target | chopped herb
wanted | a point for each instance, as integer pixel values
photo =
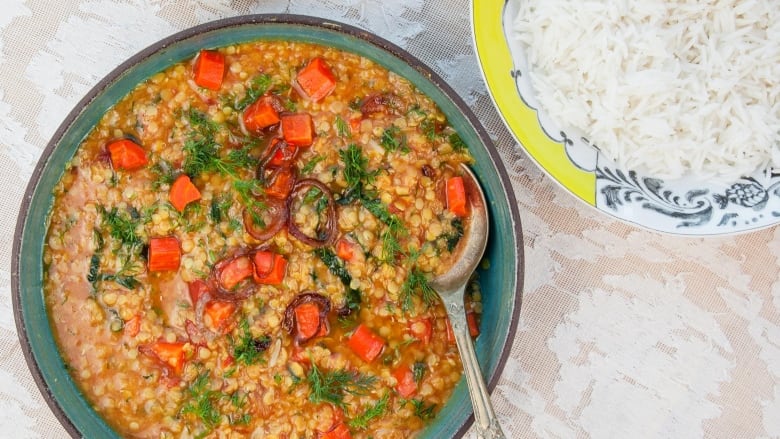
(120, 226)
(391, 247)
(94, 267)
(457, 143)
(416, 284)
(219, 209)
(246, 190)
(164, 174)
(355, 104)
(378, 409)
(336, 267)
(249, 350)
(259, 86)
(341, 127)
(423, 411)
(203, 401)
(202, 152)
(429, 129)
(418, 370)
(311, 164)
(356, 172)
(331, 387)
(277, 378)
(415, 109)
(451, 239)
(393, 140)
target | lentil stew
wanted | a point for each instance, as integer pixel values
(241, 248)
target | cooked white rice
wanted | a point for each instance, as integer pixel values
(670, 87)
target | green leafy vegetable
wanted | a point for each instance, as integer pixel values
(336, 267)
(332, 386)
(379, 408)
(311, 164)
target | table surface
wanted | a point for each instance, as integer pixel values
(623, 332)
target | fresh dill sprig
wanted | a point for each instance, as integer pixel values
(379, 408)
(332, 386)
(247, 349)
(164, 173)
(219, 209)
(342, 129)
(311, 164)
(259, 86)
(121, 226)
(416, 284)
(247, 191)
(356, 172)
(391, 247)
(202, 152)
(393, 140)
(203, 401)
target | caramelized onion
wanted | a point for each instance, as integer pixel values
(380, 103)
(289, 323)
(222, 293)
(330, 214)
(275, 217)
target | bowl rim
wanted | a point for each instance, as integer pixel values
(222, 24)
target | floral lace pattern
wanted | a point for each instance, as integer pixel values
(623, 332)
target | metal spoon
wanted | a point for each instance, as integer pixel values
(451, 286)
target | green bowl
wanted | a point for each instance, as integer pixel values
(501, 283)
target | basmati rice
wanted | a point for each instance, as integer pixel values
(667, 87)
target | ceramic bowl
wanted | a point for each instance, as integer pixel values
(501, 283)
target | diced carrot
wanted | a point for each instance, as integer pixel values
(345, 249)
(197, 288)
(450, 332)
(354, 125)
(261, 114)
(307, 320)
(227, 361)
(126, 154)
(284, 154)
(406, 385)
(270, 268)
(365, 344)
(316, 80)
(133, 326)
(298, 129)
(235, 271)
(209, 69)
(219, 312)
(456, 197)
(169, 354)
(282, 183)
(339, 431)
(183, 192)
(422, 330)
(164, 254)
(471, 319)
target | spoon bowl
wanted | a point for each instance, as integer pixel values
(451, 285)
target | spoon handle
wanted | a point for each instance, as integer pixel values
(486, 422)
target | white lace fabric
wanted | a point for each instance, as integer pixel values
(623, 332)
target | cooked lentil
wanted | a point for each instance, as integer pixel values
(202, 350)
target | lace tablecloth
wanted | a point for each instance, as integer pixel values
(623, 332)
